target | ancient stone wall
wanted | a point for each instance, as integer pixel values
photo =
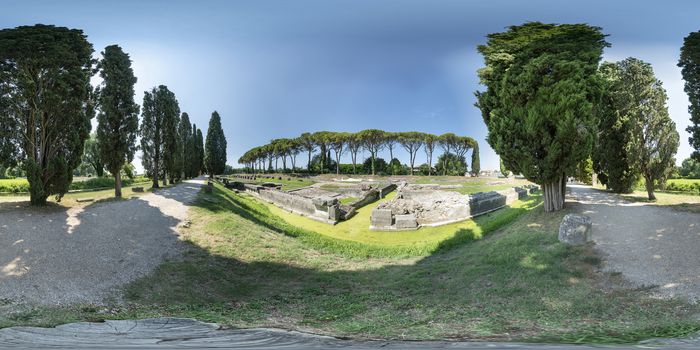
(383, 191)
(413, 208)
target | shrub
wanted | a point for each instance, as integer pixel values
(104, 182)
(14, 186)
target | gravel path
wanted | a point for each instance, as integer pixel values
(56, 256)
(652, 246)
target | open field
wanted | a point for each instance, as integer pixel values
(678, 201)
(291, 184)
(474, 184)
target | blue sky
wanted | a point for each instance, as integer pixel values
(279, 68)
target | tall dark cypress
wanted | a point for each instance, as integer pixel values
(215, 147)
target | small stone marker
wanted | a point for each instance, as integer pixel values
(137, 189)
(575, 229)
(208, 188)
(81, 200)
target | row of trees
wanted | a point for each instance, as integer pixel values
(172, 148)
(370, 140)
(550, 106)
(47, 104)
(636, 136)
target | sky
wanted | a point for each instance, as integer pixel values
(279, 68)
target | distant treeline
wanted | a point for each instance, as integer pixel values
(332, 145)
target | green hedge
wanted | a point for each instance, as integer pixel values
(14, 185)
(104, 182)
(690, 187)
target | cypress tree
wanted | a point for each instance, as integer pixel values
(650, 137)
(196, 158)
(611, 159)
(215, 147)
(200, 152)
(541, 89)
(172, 154)
(46, 104)
(476, 163)
(151, 137)
(158, 119)
(690, 69)
(186, 145)
(118, 117)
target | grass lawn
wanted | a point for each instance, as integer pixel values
(473, 184)
(287, 185)
(248, 268)
(678, 201)
(348, 200)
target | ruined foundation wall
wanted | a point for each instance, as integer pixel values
(421, 207)
(288, 201)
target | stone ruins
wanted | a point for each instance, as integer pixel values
(414, 205)
(428, 205)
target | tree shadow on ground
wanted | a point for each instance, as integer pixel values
(651, 245)
(520, 283)
(63, 255)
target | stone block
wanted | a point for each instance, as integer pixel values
(483, 202)
(334, 213)
(137, 189)
(381, 218)
(322, 203)
(575, 229)
(406, 221)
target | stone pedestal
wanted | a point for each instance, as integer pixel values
(381, 218)
(407, 221)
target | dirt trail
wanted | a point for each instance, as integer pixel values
(57, 256)
(652, 246)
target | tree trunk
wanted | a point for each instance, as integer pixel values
(554, 195)
(372, 164)
(430, 165)
(354, 161)
(99, 170)
(337, 163)
(308, 165)
(118, 184)
(650, 188)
